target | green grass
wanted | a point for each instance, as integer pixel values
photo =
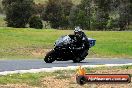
(23, 42)
(128, 67)
(113, 43)
(32, 79)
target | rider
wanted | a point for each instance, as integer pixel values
(81, 41)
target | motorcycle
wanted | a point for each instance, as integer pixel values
(64, 50)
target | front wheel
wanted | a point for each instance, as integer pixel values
(49, 58)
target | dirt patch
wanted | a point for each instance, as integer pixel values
(52, 82)
(31, 52)
(16, 86)
(40, 52)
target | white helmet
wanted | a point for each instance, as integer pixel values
(77, 29)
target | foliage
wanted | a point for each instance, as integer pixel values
(57, 13)
(18, 12)
(1, 7)
(35, 22)
(52, 13)
(66, 7)
(80, 15)
(64, 14)
(78, 18)
(112, 24)
(124, 13)
(101, 20)
(102, 14)
(39, 8)
(1, 10)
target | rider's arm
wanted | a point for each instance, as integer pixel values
(71, 36)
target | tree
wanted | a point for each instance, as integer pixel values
(102, 14)
(101, 20)
(1, 7)
(66, 7)
(122, 10)
(18, 12)
(39, 9)
(35, 22)
(124, 14)
(52, 13)
(7, 3)
(78, 18)
(80, 15)
(57, 13)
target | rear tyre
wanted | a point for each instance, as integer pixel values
(49, 58)
(80, 57)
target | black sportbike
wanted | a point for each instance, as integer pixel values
(64, 50)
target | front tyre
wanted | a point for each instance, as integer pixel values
(49, 58)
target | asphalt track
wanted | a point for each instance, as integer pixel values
(12, 65)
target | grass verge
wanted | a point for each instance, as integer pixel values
(33, 43)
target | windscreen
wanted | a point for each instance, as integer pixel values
(64, 40)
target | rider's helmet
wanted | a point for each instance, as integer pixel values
(78, 31)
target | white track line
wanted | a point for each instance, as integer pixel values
(58, 68)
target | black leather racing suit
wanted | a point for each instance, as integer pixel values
(81, 44)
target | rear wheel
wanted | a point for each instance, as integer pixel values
(49, 58)
(80, 56)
